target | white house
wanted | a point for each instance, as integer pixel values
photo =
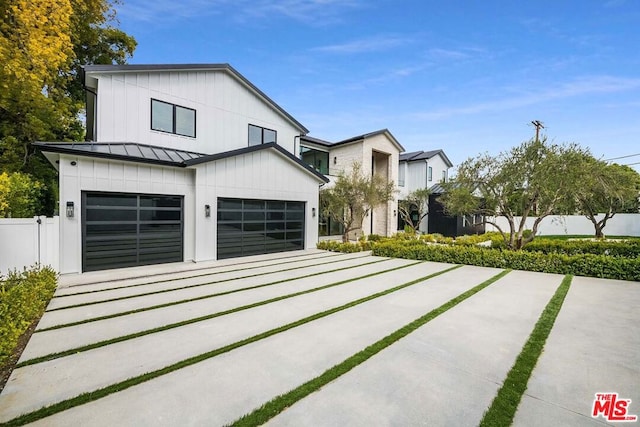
(183, 163)
(377, 153)
(422, 169)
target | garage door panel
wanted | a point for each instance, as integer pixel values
(250, 227)
(124, 230)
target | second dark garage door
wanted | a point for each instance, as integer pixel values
(125, 230)
(252, 227)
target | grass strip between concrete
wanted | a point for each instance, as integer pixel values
(153, 282)
(103, 343)
(505, 404)
(196, 285)
(275, 406)
(218, 294)
(91, 396)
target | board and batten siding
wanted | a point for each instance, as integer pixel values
(262, 175)
(224, 109)
(122, 177)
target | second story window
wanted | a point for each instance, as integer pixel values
(319, 160)
(259, 135)
(401, 175)
(429, 174)
(171, 118)
(444, 176)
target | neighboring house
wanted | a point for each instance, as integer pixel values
(422, 169)
(185, 163)
(377, 152)
(451, 226)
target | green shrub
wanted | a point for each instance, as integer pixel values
(374, 237)
(336, 246)
(616, 248)
(580, 265)
(23, 298)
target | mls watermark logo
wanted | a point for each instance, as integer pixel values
(612, 408)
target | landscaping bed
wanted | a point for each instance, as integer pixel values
(604, 259)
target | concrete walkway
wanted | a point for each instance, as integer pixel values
(447, 372)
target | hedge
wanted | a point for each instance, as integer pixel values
(590, 265)
(618, 248)
(23, 298)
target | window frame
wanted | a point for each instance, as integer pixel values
(262, 129)
(429, 174)
(174, 108)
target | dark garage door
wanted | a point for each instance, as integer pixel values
(125, 230)
(251, 227)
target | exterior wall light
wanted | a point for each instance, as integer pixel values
(70, 209)
(394, 212)
(207, 211)
(313, 212)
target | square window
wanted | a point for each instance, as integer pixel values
(170, 118)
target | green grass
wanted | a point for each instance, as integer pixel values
(275, 406)
(505, 404)
(127, 337)
(179, 288)
(188, 300)
(139, 379)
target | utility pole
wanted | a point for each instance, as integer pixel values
(538, 125)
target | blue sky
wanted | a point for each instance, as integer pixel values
(465, 76)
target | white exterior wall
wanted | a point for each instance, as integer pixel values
(104, 175)
(224, 109)
(619, 225)
(263, 174)
(24, 242)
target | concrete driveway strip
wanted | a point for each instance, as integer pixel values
(57, 340)
(73, 314)
(594, 347)
(221, 389)
(215, 276)
(445, 373)
(131, 273)
(32, 387)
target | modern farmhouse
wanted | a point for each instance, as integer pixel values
(182, 163)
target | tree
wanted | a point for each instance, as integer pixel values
(353, 196)
(417, 202)
(606, 189)
(18, 195)
(531, 179)
(42, 47)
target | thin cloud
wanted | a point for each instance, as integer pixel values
(371, 44)
(582, 86)
(313, 12)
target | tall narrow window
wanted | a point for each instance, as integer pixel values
(171, 118)
(444, 176)
(259, 135)
(429, 174)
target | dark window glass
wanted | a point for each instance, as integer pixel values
(111, 215)
(229, 216)
(160, 202)
(254, 216)
(275, 216)
(253, 226)
(294, 215)
(171, 118)
(99, 200)
(158, 215)
(295, 206)
(275, 225)
(229, 204)
(259, 135)
(275, 205)
(254, 204)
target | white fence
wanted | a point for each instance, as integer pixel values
(27, 241)
(619, 225)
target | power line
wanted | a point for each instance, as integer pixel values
(631, 164)
(622, 157)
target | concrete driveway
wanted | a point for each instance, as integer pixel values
(220, 339)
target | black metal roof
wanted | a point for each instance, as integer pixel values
(191, 67)
(128, 151)
(424, 155)
(151, 154)
(352, 139)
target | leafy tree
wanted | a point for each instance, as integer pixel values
(531, 179)
(353, 196)
(18, 195)
(606, 189)
(416, 201)
(42, 47)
